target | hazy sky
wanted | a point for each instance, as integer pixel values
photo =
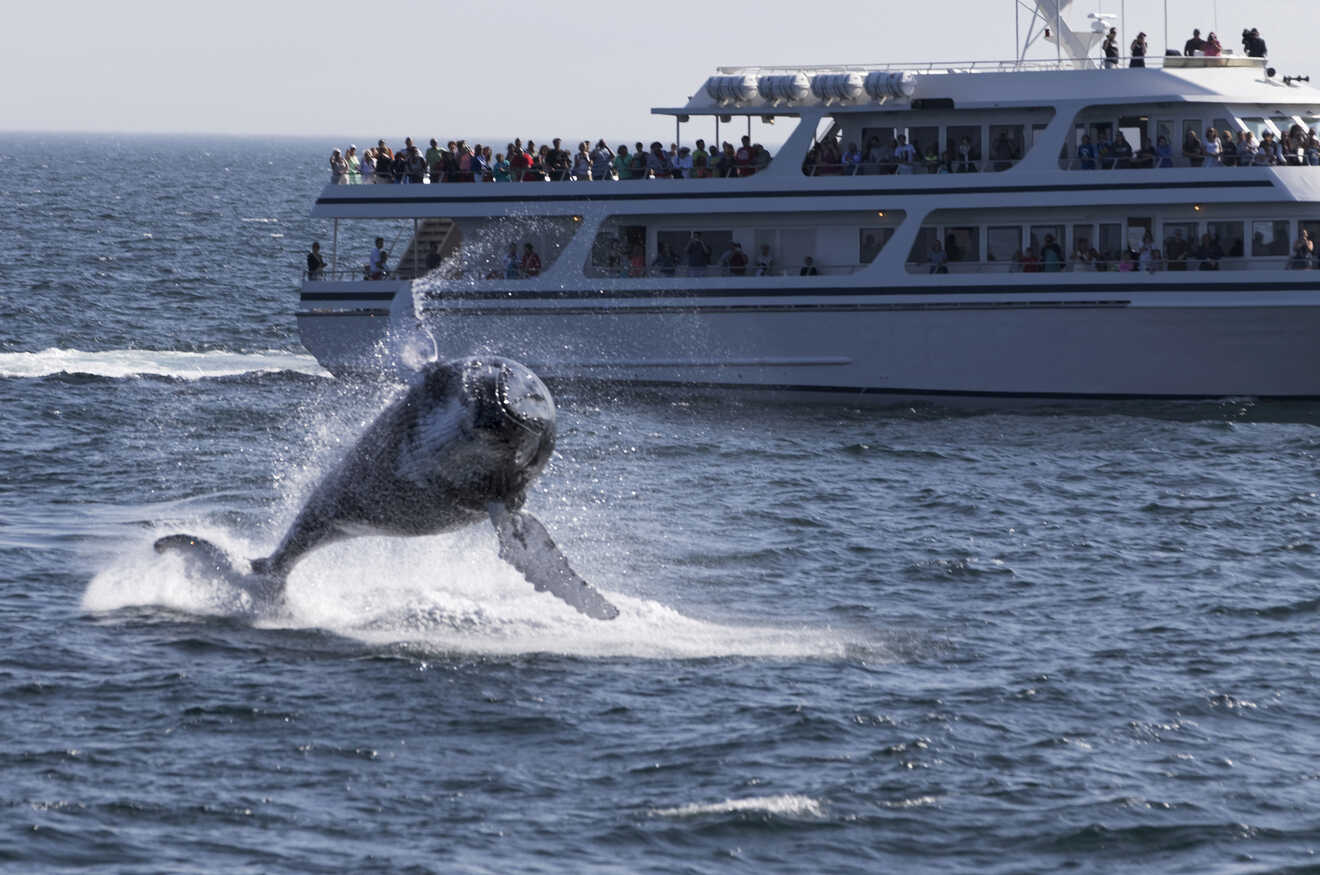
(359, 70)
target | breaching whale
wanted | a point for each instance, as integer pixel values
(462, 444)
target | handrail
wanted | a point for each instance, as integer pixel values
(921, 166)
(1001, 66)
(1114, 265)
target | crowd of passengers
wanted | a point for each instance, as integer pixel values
(1218, 149)
(459, 162)
(1178, 253)
(826, 158)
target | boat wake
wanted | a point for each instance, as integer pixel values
(122, 363)
(443, 595)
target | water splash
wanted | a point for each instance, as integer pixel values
(443, 595)
(123, 363)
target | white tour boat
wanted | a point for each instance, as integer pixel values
(1019, 250)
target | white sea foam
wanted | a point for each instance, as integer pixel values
(786, 805)
(143, 362)
(449, 594)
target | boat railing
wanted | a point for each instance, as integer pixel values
(1116, 265)
(1006, 66)
(920, 167)
(1149, 162)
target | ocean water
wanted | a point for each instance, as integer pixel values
(907, 639)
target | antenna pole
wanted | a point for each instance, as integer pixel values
(1058, 41)
(1166, 28)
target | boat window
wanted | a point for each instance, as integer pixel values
(964, 144)
(1179, 238)
(1223, 124)
(926, 140)
(1083, 238)
(927, 237)
(1164, 128)
(871, 241)
(1002, 243)
(1229, 236)
(1134, 128)
(1284, 123)
(1137, 229)
(1269, 238)
(1311, 122)
(788, 248)
(1111, 241)
(678, 242)
(1005, 146)
(963, 244)
(1256, 125)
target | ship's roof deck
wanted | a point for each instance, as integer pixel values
(870, 88)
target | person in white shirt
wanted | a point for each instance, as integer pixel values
(1213, 149)
(765, 262)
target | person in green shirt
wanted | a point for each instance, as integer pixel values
(700, 161)
(435, 160)
(622, 163)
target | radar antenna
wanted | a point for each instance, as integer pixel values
(1049, 23)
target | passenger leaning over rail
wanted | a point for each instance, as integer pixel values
(338, 168)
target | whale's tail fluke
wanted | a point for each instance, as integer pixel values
(204, 559)
(528, 547)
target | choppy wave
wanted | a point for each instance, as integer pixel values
(120, 363)
(784, 805)
(449, 594)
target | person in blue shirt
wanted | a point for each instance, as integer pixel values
(1086, 153)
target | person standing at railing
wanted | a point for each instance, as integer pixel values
(1213, 149)
(1051, 255)
(1195, 44)
(1311, 149)
(602, 161)
(700, 161)
(638, 165)
(1086, 153)
(697, 254)
(368, 167)
(354, 168)
(582, 162)
(765, 262)
(512, 263)
(316, 264)
(1192, 149)
(531, 262)
(1163, 152)
(377, 259)
(1303, 251)
(905, 156)
(557, 162)
(1111, 49)
(852, 160)
(1138, 51)
(743, 157)
(1246, 149)
(1212, 48)
(338, 168)
(683, 163)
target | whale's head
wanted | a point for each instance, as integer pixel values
(511, 410)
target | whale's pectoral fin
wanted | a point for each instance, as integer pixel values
(204, 559)
(528, 547)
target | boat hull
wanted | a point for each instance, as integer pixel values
(1185, 345)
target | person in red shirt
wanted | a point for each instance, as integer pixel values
(742, 159)
(531, 262)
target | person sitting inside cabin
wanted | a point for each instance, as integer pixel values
(531, 262)
(1176, 249)
(316, 264)
(852, 160)
(1163, 152)
(808, 267)
(1195, 44)
(376, 265)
